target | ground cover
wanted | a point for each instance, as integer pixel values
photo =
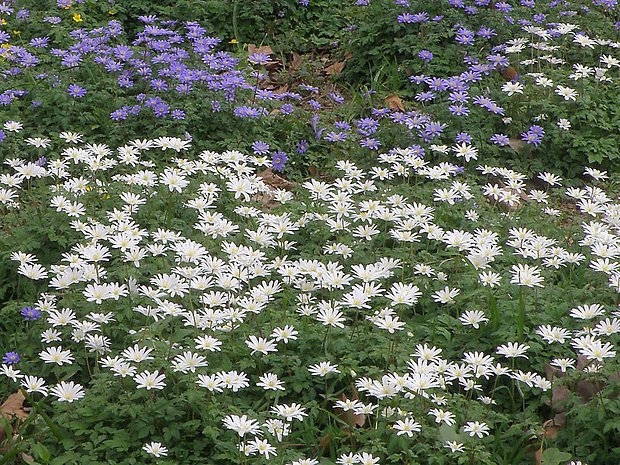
(216, 251)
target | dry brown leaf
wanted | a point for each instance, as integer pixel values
(516, 144)
(273, 180)
(266, 49)
(394, 102)
(296, 62)
(538, 455)
(349, 417)
(335, 69)
(14, 406)
(551, 429)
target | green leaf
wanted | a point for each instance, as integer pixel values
(555, 456)
(41, 452)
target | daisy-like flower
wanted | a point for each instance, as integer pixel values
(290, 412)
(56, 355)
(67, 392)
(454, 446)
(550, 178)
(263, 447)
(566, 92)
(442, 416)
(407, 426)
(323, 368)
(155, 449)
(473, 318)
(512, 88)
(587, 312)
(552, 334)
(188, 361)
(288, 333)
(270, 381)
(242, 425)
(489, 278)
(563, 364)
(401, 293)
(476, 428)
(596, 350)
(34, 384)
(147, 380)
(526, 275)
(513, 350)
(260, 344)
(564, 124)
(446, 295)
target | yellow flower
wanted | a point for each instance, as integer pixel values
(5, 45)
(111, 12)
(3, 21)
(233, 41)
(17, 32)
(77, 17)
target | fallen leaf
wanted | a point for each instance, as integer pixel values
(14, 406)
(516, 144)
(296, 62)
(394, 102)
(266, 49)
(551, 429)
(274, 181)
(335, 69)
(349, 417)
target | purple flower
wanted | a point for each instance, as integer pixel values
(503, 6)
(71, 60)
(336, 98)
(314, 104)
(260, 147)
(258, 58)
(498, 60)
(287, 109)
(465, 37)
(459, 110)
(249, 112)
(463, 137)
(486, 33)
(10, 358)
(342, 125)
(532, 138)
(278, 160)
(302, 146)
(500, 139)
(304, 2)
(367, 126)
(52, 20)
(36, 103)
(334, 136)
(425, 96)
(39, 42)
(31, 313)
(76, 91)
(178, 114)
(118, 114)
(371, 143)
(425, 55)
(216, 106)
